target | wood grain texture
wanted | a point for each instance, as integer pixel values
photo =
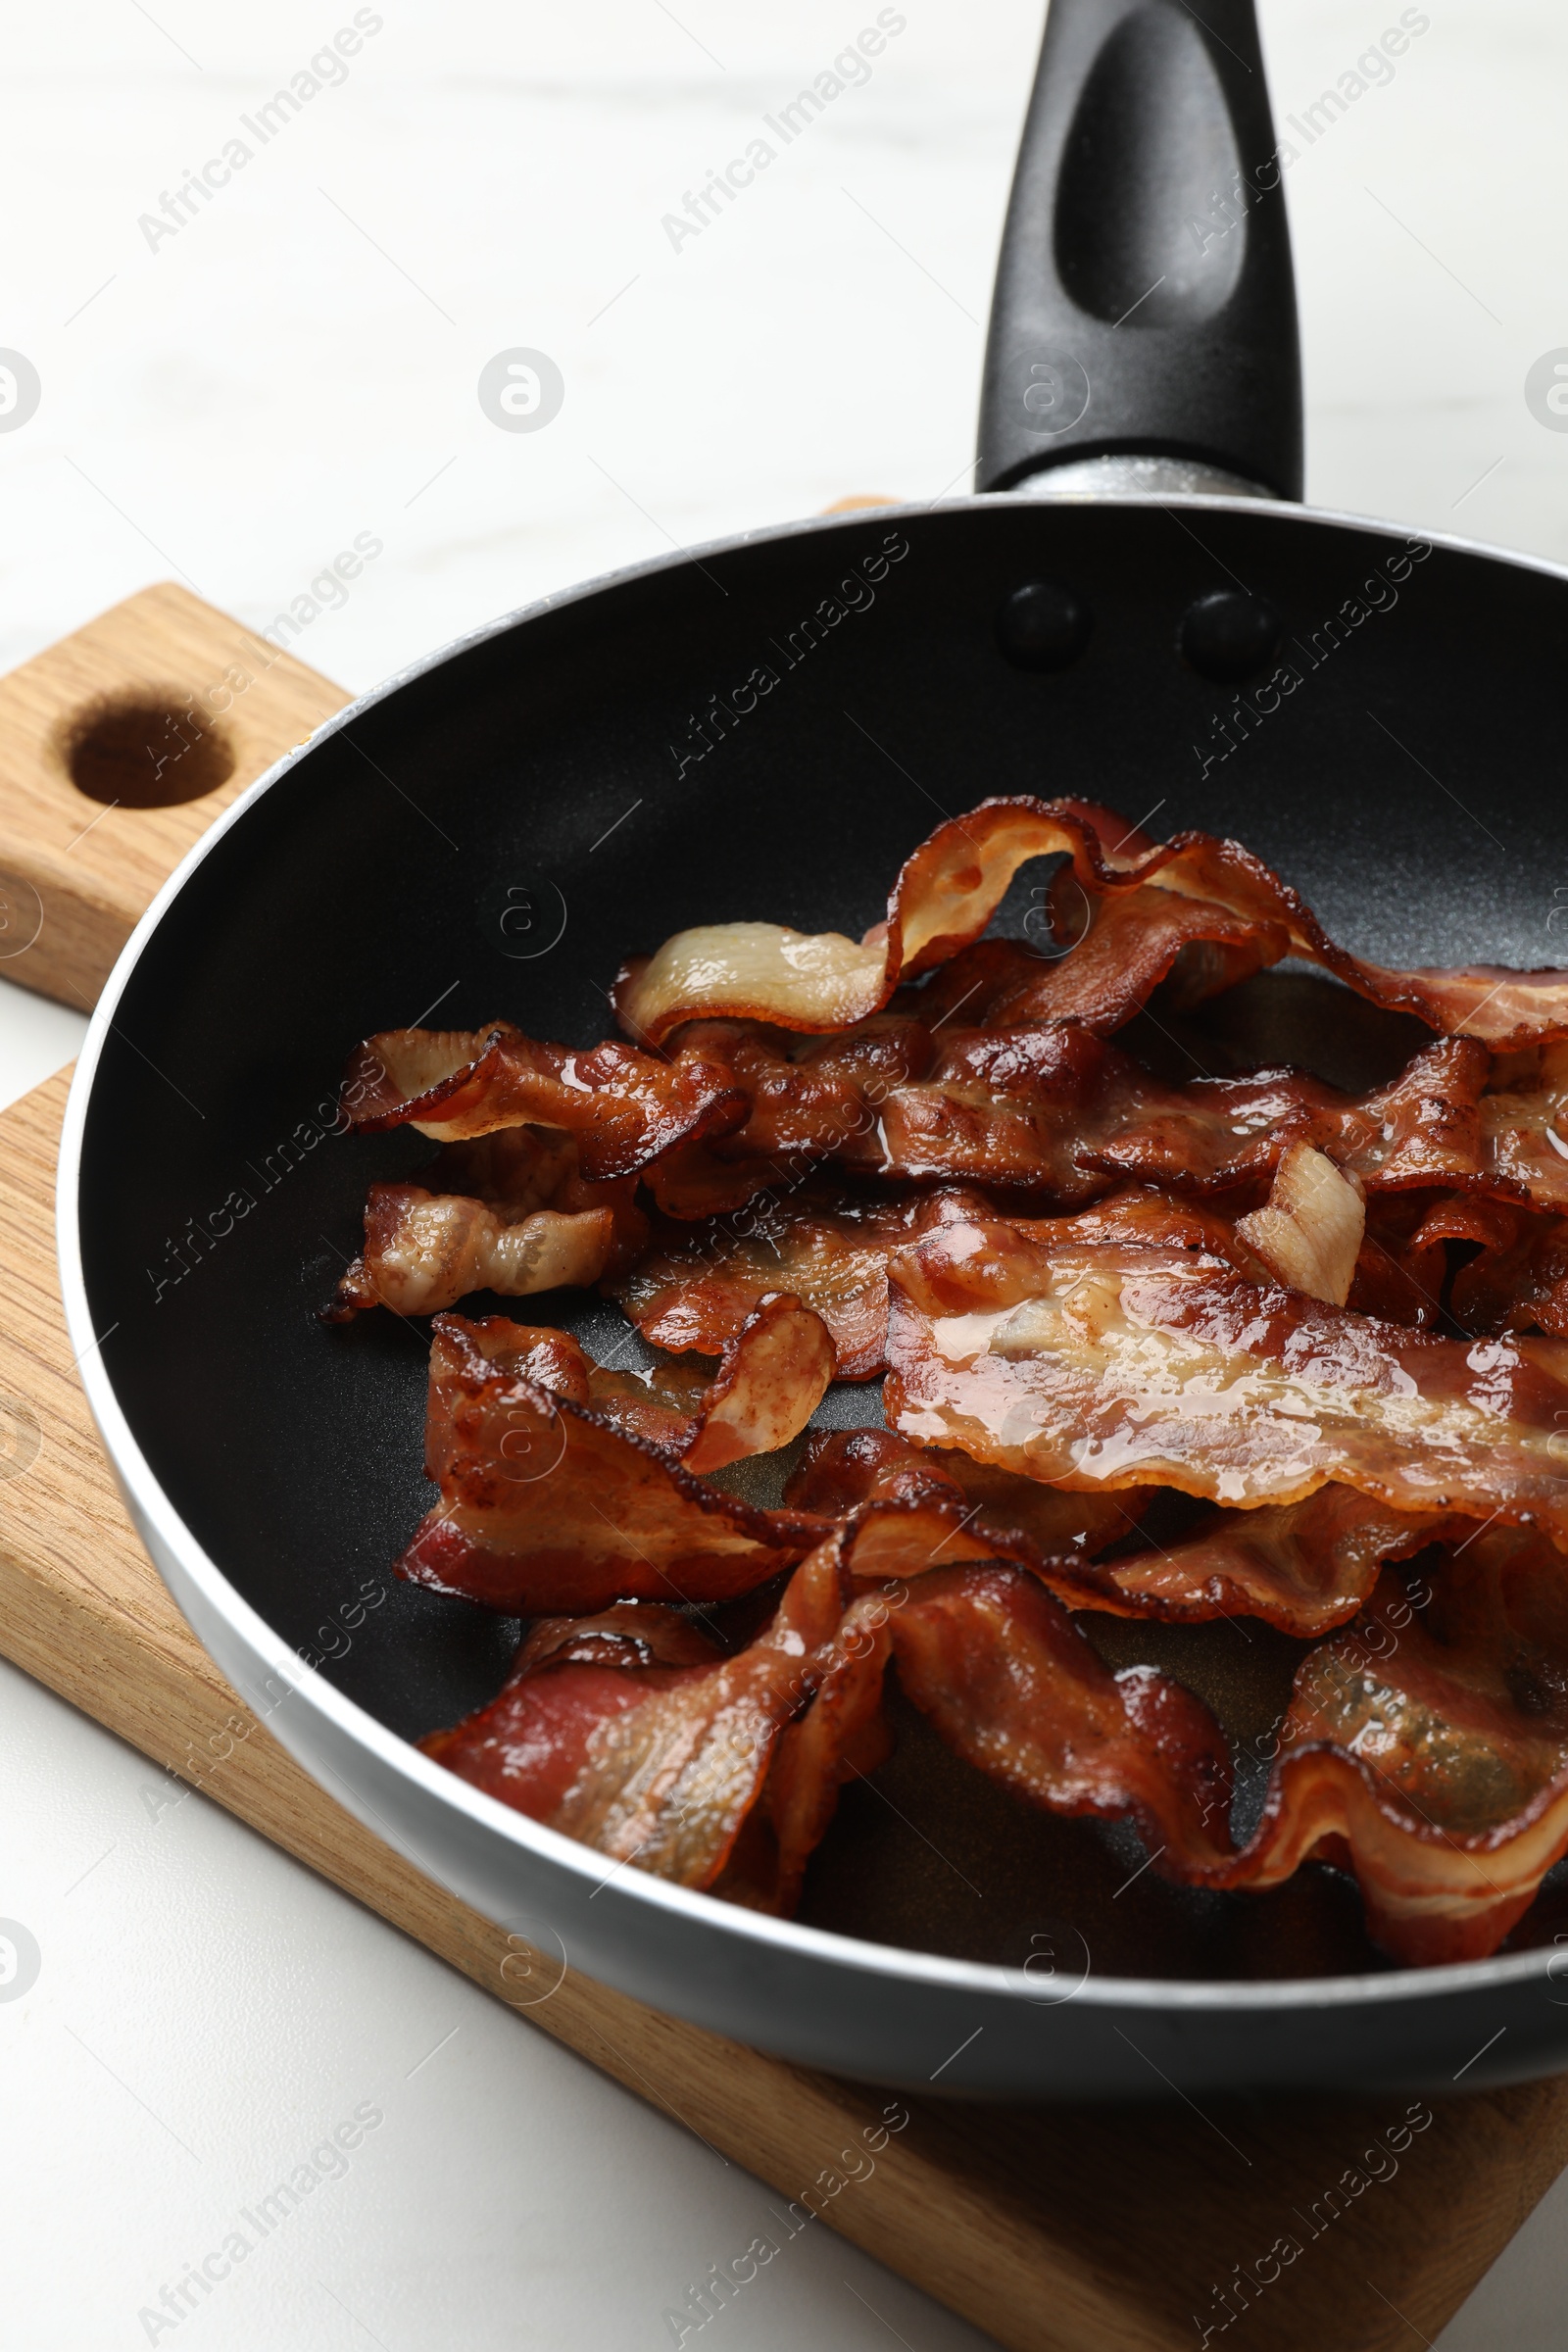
(76, 874)
(1054, 2230)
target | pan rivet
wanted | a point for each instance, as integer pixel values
(1230, 633)
(1043, 625)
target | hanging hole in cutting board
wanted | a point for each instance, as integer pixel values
(148, 750)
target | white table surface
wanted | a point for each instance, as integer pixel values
(297, 365)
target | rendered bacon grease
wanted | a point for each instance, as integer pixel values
(1337, 1322)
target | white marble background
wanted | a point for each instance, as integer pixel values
(298, 364)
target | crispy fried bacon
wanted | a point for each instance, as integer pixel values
(1015, 1688)
(507, 1212)
(1430, 1758)
(809, 1098)
(1057, 1111)
(772, 1376)
(806, 1096)
(1523, 1113)
(622, 1105)
(1518, 1278)
(819, 1156)
(1099, 1365)
(628, 1731)
(840, 1471)
(1309, 1231)
(695, 1289)
(571, 1674)
(843, 1734)
(1304, 1567)
(1050, 1111)
(1230, 893)
(1428, 1754)
(1113, 952)
(627, 1737)
(550, 1502)
(425, 1251)
(832, 1249)
(950, 888)
(945, 896)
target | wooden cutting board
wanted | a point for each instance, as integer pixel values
(1054, 2230)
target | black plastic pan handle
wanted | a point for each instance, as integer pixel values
(1144, 299)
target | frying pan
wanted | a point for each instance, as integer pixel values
(494, 829)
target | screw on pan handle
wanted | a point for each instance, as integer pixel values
(1144, 299)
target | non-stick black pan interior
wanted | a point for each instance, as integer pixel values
(1408, 783)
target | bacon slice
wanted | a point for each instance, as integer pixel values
(944, 896)
(737, 1106)
(653, 1757)
(1428, 1754)
(770, 1383)
(1305, 1567)
(1116, 951)
(948, 891)
(509, 1212)
(1099, 1365)
(1038, 1109)
(809, 1098)
(627, 1731)
(1016, 1690)
(1504, 1008)
(1518, 1279)
(526, 1747)
(425, 1251)
(1524, 1115)
(843, 1734)
(696, 1290)
(841, 1470)
(623, 1105)
(772, 1376)
(832, 1250)
(1056, 1109)
(548, 1505)
(1430, 1758)
(1050, 1111)
(1308, 1233)
(1212, 1334)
